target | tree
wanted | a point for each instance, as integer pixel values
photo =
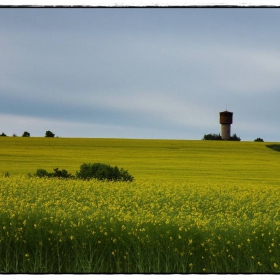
(26, 134)
(3, 134)
(234, 137)
(49, 134)
(258, 140)
(212, 137)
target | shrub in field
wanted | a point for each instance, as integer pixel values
(41, 173)
(26, 134)
(57, 173)
(101, 171)
(3, 134)
(212, 137)
(258, 140)
(49, 134)
(234, 137)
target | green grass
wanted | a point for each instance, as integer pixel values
(216, 161)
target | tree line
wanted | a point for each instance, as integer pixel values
(27, 134)
(234, 137)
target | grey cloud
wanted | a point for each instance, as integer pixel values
(163, 70)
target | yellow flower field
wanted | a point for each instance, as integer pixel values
(52, 225)
(194, 207)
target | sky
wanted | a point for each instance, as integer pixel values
(148, 73)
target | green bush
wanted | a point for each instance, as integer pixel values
(234, 137)
(41, 173)
(57, 173)
(49, 134)
(258, 140)
(26, 134)
(212, 137)
(101, 171)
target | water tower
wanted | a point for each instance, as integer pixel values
(225, 121)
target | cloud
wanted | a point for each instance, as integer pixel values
(151, 70)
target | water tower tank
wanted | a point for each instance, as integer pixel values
(225, 121)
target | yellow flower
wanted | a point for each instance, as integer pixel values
(275, 265)
(72, 237)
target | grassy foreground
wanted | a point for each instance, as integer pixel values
(195, 207)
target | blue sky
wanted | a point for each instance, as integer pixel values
(140, 73)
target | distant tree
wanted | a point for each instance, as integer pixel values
(3, 134)
(212, 137)
(26, 134)
(234, 137)
(14, 135)
(258, 140)
(49, 134)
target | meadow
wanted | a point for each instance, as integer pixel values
(194, 207)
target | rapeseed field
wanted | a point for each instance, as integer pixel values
(194, 207)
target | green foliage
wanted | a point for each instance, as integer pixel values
(41, 173)
(49, 134)
(89, 171)
(234, 137)
(212, 137)
(258, 140)
(26, 134)
(57, 173)
(101, 171)
(3, 134)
